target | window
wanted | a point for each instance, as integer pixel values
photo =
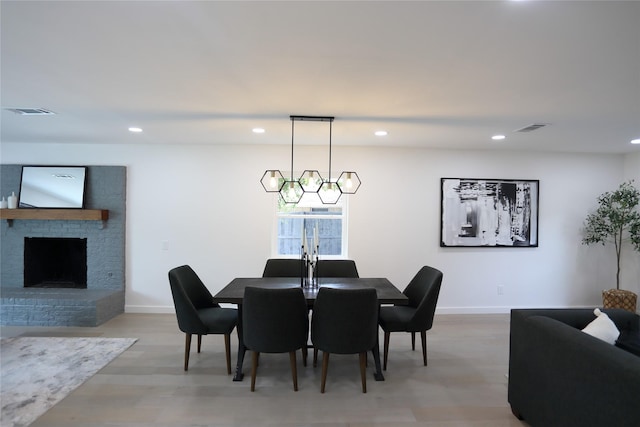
(308, 214)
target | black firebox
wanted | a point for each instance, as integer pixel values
(55, 262)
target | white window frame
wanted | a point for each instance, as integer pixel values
(311, 200)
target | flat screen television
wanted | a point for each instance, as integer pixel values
(53, 187)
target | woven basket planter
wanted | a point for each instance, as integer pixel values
(619, 298)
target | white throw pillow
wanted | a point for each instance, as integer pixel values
(602, 327)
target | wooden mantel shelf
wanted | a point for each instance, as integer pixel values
(55, 214)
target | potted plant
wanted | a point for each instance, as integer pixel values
(616, 220)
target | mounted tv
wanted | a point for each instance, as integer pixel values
(53, 187)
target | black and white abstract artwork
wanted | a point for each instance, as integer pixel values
(489, 212)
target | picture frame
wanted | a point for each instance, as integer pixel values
(53, 187)
(489, 212)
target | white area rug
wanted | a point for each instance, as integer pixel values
(38, 372)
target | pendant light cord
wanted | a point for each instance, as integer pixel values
(292, 126)
(330, 124)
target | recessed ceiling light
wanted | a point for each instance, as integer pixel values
(635, 141)
(257, 130)
(381, 133)
(498, 137)
(135, 129)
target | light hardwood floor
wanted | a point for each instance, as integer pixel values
(464, 384)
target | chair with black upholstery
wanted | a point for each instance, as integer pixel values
(337, 268)
(417, 316)
(275, 321)
(345, 321)
(283, 267)
(197, 313)
(334, 268)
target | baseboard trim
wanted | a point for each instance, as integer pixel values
(149, 309)
(161, 309)
(158, 309)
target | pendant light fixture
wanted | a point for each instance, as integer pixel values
(329, 191)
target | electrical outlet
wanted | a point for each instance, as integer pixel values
(500, 290)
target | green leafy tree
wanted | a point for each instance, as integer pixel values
(616, 220)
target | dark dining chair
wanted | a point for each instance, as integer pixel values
(334, 268)
(345, 321)
(283, 267)
(417, 316)
(197, 313)
(337, 268)
(275, 321)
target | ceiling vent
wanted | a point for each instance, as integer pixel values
(31, 111)
(532, 127)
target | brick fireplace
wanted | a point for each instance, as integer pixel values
(96, 249)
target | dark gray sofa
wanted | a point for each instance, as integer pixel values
(560, 376)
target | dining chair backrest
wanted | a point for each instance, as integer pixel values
(197, 313)
(189, 296)
(345, 321)
(274, 320)
(283, 267)
(422, 292)
(337, 268)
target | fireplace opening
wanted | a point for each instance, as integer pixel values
(55, 262)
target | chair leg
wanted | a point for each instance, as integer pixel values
(304, 355)
(363, 371)
(386, 349)
(199, 343)
(254, 369)
(423, 336)
(315, 357)
(325, 367)
(187, 349)
(413, 341)
(227, 351)
(294, 369)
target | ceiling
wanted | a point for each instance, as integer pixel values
(446, 74)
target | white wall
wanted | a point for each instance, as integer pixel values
(206, 203)
(631, 260)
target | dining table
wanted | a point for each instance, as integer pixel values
(233, 293)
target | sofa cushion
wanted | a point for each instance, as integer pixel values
(602, 327)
